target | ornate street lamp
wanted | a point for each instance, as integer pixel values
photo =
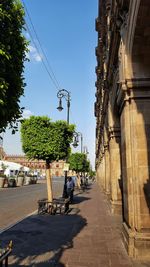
(80, 134)
(60, 108)
(76, 140)
(64, 93)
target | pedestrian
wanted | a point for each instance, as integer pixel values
(70, 188)
(86, 180)
(81, 179)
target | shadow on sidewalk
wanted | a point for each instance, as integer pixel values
(41, 240)
(78, 199)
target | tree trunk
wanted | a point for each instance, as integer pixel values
(49, 181)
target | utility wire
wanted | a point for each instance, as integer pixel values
(41, 57)
(49, 71)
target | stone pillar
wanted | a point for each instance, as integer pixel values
(103, 171)
(115, 170)
(98, 173)
(107, 159)
(107, 170)
(135, 146)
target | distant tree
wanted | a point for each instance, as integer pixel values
(78, 162)
(46, 140)
(92, 173)
(13, 48)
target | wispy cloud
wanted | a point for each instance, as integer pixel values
(33, 54)
(26, 114)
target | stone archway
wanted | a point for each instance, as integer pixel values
(134, 102)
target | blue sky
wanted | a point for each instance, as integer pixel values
(66, 30)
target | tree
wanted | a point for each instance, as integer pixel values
(92, 173)
(78, 162)
(46, 140)
(13, 48)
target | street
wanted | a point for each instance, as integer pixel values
(18, 202)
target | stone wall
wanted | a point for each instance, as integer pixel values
(122, 116)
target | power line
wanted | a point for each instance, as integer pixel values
(49, 71)
(41, 57)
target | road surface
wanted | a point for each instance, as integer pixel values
(17, 203)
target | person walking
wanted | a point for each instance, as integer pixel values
(70, 188)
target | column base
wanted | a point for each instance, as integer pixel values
(137, 244)
(116, 207)
(107, 192)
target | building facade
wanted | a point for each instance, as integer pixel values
(122, 111)
(57, 167)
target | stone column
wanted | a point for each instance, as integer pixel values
(98, 173)
(115, 170)
(103, 171)
(102, 164)
(107, 159)
(107, 169)
(135, 146)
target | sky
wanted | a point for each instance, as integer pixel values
(67, 36)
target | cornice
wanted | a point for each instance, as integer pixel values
(137, 82)
(136, 88)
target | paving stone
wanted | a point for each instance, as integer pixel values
(90, 236)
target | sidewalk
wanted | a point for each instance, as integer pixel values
(88, 237)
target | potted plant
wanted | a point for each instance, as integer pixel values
(28, 179)
(34, 179)
(20, 178)
(3, 178)
(12, 181)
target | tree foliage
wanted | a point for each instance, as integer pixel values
(13, 47)
(78, 162)
(46, 140)
(92, 173)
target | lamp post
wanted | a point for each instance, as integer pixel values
(64, 93)
(80, 134)
(85, 150)
(76, 140)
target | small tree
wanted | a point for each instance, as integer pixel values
(92, 173)
(13, 48)
(46, 140)
(78, 162)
